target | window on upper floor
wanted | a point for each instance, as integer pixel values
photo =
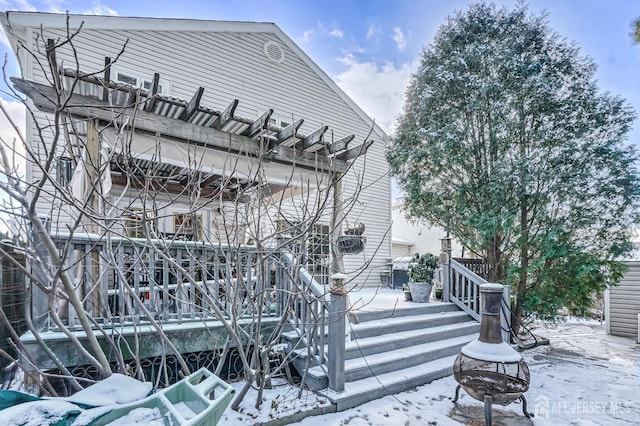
(280, 122)
(135, 80)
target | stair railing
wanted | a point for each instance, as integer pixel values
(463, 289)
(306, 304)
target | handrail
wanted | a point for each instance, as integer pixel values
(465, 293)
(316, 288)
(311, 305)
(464, 289)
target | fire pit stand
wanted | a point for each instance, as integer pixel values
(488, 369)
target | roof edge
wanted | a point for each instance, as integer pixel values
(12, 19)
(104, 22)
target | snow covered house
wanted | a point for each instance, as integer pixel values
(242, 71)
(415, 236)
(189, 131)
(196, 182)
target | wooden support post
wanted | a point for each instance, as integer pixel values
(53, 63)
(107, 78)
(338, 298)
(92, 165)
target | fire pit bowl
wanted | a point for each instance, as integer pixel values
(488, 369)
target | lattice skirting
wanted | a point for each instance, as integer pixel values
(162, 371)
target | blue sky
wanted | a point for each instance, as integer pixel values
(370, 47)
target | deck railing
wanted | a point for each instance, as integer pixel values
(309, 308)
(476, 265)
(173, 280)
(463, 288)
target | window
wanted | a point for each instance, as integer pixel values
(64, 170)
(317, 237)
(126, 79)
(279, 122)
(188, 226)
(318, 242)
(135, 80)
(135, 219)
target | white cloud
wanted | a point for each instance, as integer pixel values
(373, 30)
(100, 9)
(399, 38)
(337, 32)
(55, 6)
(306, 36)
(378, 90)
(22, 5)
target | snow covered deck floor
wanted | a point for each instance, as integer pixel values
(381, 299)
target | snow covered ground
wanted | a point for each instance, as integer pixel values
(584, 378)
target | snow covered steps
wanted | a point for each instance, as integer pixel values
(394, 350)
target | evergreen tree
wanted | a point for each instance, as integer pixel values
(506, 140)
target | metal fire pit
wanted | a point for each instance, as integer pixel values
(488, 369)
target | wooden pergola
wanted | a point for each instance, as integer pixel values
(189, 124)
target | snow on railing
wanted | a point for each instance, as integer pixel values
(174, 280)
(464, 289)
(464, 292)
(309, 307)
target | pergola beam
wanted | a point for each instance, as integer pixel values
(226, 115)
(193, 105)
(355, 152)
(259, 125)
(211, 179)
(153, 93)
(313, 141)
(142, 182)
(289, 132)
(81, 106)
(340, 144)
(107, 78)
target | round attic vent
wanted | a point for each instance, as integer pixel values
(273, 51)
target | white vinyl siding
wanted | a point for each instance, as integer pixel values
(624, 304)
(232, 65)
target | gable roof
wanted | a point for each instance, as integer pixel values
(15, 23)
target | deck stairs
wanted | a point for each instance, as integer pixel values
(392, 349)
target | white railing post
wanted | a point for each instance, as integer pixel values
(337, 328)
(505, 318)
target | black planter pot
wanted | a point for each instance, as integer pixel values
(350, 244)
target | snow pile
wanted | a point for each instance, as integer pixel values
(38, 413)
(495, 352)
(116, 389)
(141, 416)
